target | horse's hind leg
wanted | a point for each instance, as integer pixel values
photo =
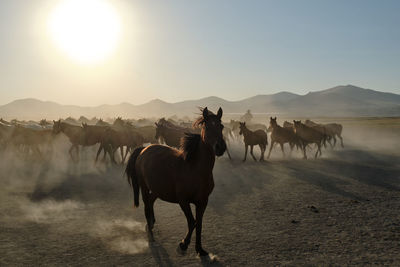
(304, 151)
(341, 140)
(148, 201)
(185, 206)
(251, 153)
(262, 148)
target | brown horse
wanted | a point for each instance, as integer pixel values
(171, 134)
(309, 135)
(179, 176)
(332, 129)
(95, 134)
(30, 140)
(328, 135)
(74, 133)
(281, 136)
(258, 137)
(336, 129)
(288, 125)
(101, 122)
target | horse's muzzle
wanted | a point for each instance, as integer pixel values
(220, 148)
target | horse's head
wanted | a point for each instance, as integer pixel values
(242, 126)
(297, 124)
(212, 130)
(57, 126)
(160, 128)
(272, 122)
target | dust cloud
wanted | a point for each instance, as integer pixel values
(55, 211)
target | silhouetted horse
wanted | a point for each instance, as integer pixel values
(179, 176)
(171, 134)
(258, 137)
(74, 133)
(328, 135)
(309, 135)
(288, 125)
(281, 136)
(332, 130)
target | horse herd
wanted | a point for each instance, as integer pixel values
(183, 176)
(124, 135)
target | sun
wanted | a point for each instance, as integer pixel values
(88, 31)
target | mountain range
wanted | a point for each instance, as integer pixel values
(348, 100)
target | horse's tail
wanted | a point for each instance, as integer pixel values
(130, 172)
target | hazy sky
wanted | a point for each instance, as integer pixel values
(177, 50)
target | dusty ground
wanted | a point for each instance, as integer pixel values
(342, 209)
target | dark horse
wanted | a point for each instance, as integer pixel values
(258, 137)
(181, 176)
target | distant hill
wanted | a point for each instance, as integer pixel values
(346, 100)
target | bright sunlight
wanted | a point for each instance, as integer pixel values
(88, 31)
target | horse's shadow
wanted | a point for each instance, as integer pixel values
(159, 253)
(162, 258)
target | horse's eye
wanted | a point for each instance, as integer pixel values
(222, 126)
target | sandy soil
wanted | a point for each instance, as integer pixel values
(342, 209)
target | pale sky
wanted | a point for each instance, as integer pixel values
(178, 50)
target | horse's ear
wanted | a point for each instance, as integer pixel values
(275, 118)
(219, 114)
(54, 121)
(156, 124)
(205, 113)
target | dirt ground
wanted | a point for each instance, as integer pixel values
(341, 209)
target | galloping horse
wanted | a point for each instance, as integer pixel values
(309, 135)
(258, 137)
(328, 135)
(333, 130)
(281, 136)
(181, 176)
(74, 133)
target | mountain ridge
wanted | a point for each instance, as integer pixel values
(342, 100)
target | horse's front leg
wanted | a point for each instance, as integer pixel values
(245, 152)
(185, 206)
(270, 148)
(98, 153)
(283, 151)
(200, 208)
(304, 150)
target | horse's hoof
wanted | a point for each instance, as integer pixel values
(182, 248)
(149, 234)
(201, 252)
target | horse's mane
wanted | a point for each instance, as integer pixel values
(189, 145)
